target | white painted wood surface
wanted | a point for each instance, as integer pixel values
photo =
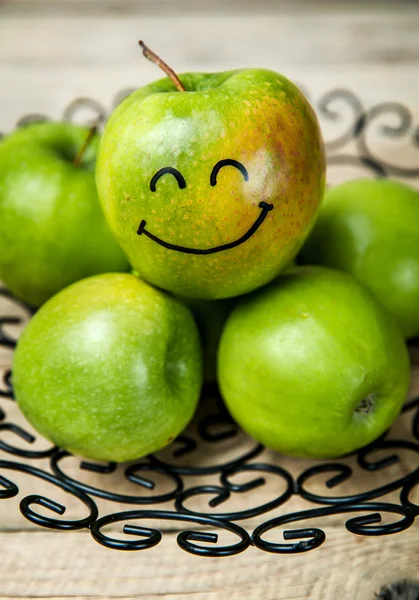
(49, 58)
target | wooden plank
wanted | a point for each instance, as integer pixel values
(231, 39)
(372, 52)
(70, 564)
(114, 7)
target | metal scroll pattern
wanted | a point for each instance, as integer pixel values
(169, 486)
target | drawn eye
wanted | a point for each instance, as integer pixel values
(228, 162)
(167, 170)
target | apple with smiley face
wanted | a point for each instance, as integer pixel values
(211, 191)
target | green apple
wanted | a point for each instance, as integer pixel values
(52, 229)
(109, 368)
(211, 191)
(210, 316)
(370, 228)
(313, 365)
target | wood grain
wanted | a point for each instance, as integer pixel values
(65, 565)
(48, 58)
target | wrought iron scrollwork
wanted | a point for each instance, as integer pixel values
(27, 503)
(21, 433)
(179, 479)
(315, 537)
(185, 539)
(223, 492)
(342, 472)
(345, 99)
(131, 473)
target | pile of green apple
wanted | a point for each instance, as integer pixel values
(206, 187)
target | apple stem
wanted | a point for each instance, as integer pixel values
(89, 137)
(165, 67)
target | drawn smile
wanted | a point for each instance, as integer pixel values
(265, 209)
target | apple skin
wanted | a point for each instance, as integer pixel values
(297, 358)
(110, 368)
(210, 317)
(370, 228)
(253, 116)
(52, 229)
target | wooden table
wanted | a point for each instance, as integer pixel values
(52, 52)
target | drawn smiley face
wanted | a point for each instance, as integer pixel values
(264, 206)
